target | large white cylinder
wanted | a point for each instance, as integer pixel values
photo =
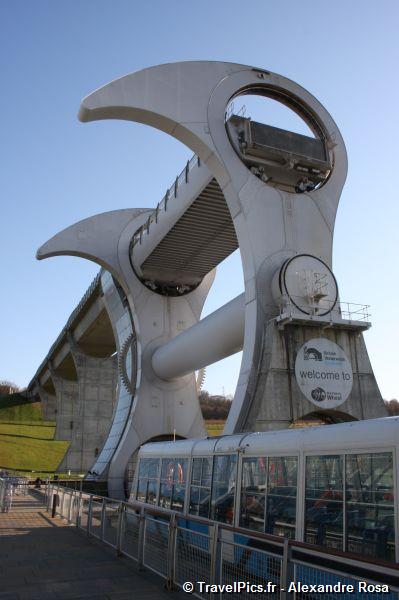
(217, 336)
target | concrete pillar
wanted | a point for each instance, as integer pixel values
(277, 400)
(48, 402)
(67, 417)
(84, 408)
(96, 388)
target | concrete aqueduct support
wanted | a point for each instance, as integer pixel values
(67, 414)
(96, 385)
(272, 193)
(48, 401)
(81, 401)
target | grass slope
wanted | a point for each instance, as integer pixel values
(26, 441)
(30, 447)
(214, 427)
(18, 408)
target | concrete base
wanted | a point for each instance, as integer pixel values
(277, 399)
(48, 403)
(97, 384)
(84, 409)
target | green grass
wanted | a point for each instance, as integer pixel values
(26, 441)
(214, 427)
(18, 408)
(30, 447)
(36, 431)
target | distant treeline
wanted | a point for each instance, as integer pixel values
(214, 408)
(217, 407)
(8, 387)
(393, 407)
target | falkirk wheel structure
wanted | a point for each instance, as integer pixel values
(271, 193)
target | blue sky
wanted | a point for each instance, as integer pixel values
(55, 170)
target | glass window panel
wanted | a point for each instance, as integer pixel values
(323, 475)
(196, 471)
(143, 468)
(153, 466)
(369, 477)
(141, 490)
(281, 497)
(281, 516)
(180, 470)
(174, 470)
(194, 500)
(165, 495)
(324, 523)
(205, 503)
(370, 505)
(223, 488)
(200, 493)
(178, 495)
(252, 511)
(152, 490)
(324, 501)
(206, 472)
(282, 479)
(254, 472)
(168, 467)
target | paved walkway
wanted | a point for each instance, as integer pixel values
(43, 558)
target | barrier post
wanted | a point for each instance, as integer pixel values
(103, 519)
(71, 503)
(121, 512)
(89, 514)
(215, 551)
(170, 559)
(79, 510)
(284, 577)
(141, 541)
(56, 501)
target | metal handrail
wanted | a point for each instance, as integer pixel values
(346, 311)
(191, 551)
(171, 192)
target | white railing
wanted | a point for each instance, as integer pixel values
(348, 312)
(10, 486)
(170, 194)
(195, 551)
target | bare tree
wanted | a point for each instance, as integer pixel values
(8, 387)
(392, 406)
(214, 407)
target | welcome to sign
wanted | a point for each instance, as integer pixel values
(324, 373)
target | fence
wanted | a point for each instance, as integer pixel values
(90, 486)
(192, 550)
(10, 486)
(347, 312)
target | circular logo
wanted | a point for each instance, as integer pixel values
(324, 373)
(318, 394)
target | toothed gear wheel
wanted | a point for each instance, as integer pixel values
(128, 382)
(200, 379)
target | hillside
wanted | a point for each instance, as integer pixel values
(26, 441)
(17, 408)
(214, 427)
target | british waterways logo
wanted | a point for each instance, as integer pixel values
(318, 394)
(312, 354)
